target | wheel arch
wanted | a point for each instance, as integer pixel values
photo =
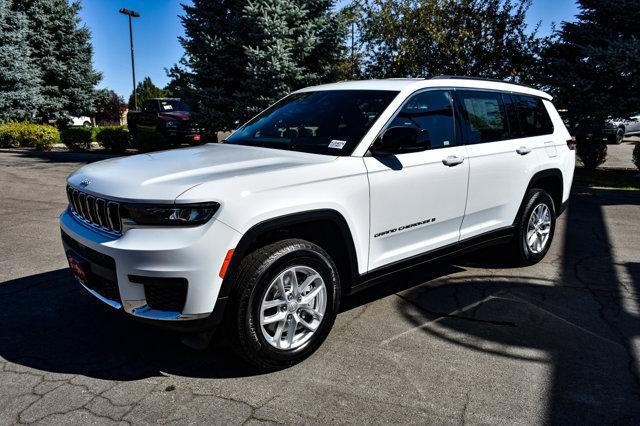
(552, 182)
(325, 227)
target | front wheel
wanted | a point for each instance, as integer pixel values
(536, 226)
(287, 295)
(618, 137)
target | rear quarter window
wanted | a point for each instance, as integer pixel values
(534, 119)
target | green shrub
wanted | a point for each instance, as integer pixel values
(10, 135)
(150, 140)
(24, 134)
(592, 152)
(77, 138)
(636, 155)
(114, 138)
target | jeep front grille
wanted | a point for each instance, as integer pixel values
(95, 211)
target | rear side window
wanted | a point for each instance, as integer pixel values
(432, 111)
(534, 118)
(485, 116)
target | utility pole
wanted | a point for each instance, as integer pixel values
(132, 14)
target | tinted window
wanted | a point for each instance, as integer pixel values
(433, 111)
(512, 116)
(173, 105)
(485, 116)
(534, 119)
(326, 122)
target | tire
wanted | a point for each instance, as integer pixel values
(86, 124)
(256, 281)
(618, 137)
(536, 200)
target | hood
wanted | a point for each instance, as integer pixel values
(163, 176)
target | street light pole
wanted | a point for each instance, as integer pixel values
(132, 14)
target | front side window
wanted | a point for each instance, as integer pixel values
(485, 116)
(432, 111)
(328, 122)
(534, 118)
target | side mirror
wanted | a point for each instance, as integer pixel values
(401, 140)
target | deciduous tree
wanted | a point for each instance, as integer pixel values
(423, 38)
(145, 89)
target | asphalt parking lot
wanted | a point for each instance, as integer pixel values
(471, 341)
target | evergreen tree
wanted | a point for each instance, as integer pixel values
(19, 80)
(593, 64)
(246, 54)
(62, 53)
(181, 83)
(423, 38)
(145, 89)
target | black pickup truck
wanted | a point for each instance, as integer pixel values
(168, 116)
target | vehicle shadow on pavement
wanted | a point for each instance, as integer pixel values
(583, 326)
(49, 323)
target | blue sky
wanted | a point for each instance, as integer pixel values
(156, 36)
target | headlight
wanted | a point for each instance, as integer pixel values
(171, 215)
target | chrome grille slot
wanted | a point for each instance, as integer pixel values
(97, 212)
(91, 209)
(101, 210)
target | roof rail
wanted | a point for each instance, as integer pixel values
(463, 77)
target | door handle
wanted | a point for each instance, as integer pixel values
(452, 160)
(523, 150)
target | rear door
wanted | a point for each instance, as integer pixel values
(417, 199)
(502, 157)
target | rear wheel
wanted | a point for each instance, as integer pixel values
(536, 226)
(287, 295)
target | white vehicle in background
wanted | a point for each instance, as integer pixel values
(80, 121)
(322, 194)
(616, 130)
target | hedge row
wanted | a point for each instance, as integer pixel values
(113, 138)
(22, 134)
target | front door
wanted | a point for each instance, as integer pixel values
(418, 199)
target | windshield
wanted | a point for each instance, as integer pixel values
(173, 105)
(325, 122)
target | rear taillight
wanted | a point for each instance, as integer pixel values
(196, 137)
(571, 144)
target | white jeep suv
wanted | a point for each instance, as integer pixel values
(317, 197)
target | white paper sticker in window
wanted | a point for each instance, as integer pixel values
(337, 144)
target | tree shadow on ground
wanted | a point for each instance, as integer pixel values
(584, 324)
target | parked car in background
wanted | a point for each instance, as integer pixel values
(322, 194)
(616, 130)
(169, 117)
(80, 121)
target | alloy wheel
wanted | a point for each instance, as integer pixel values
(293, 307)
(539, 228)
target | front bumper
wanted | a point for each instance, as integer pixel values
(123, 268)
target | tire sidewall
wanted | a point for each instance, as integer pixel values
(302, 256)
(535, 198)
